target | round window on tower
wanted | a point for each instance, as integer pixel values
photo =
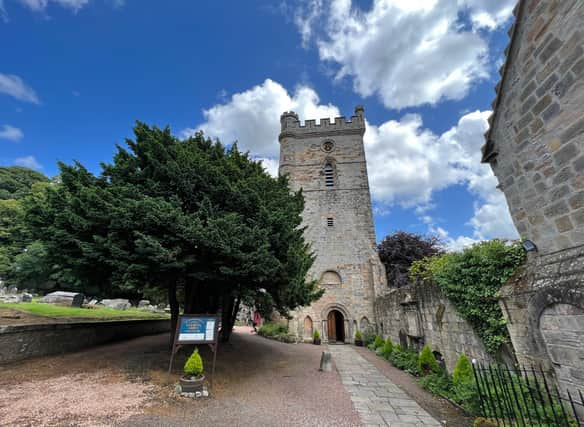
(328, 146)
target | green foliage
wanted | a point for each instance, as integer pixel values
(358, 335)
(471, 280)
(404, 359)
(387, 348)
(170, 213)
(31, 268)
(18, 184)
(316, 335)
(16, 181)
(276, 331)
(462, 373)
(368, 337)
(194, 364)
(378, 343)
(427, 362)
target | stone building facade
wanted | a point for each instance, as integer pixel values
(327, 161)
(535, 147)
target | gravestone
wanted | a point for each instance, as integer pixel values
(2, 290)
(12, 290)
(26, 297)
(74, 299)
(117, 303)
(143, 303)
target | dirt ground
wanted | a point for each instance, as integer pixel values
(258, 382)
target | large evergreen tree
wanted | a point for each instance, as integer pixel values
(204, 223)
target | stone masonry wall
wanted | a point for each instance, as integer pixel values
(536, 149)
(538, 129)
(19, 342)
(346, 248)
(424, 316)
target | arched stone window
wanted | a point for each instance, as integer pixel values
(365, 324)
(330, 278)
(329, 175)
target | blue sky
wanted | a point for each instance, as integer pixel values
(76, 74)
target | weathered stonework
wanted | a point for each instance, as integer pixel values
(535, 147)
(419, 314)
(328, 162)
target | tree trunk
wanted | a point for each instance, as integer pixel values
(174, 309)
(226, 317)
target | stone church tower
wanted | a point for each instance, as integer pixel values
(328, 162)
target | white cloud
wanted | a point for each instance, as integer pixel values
(14, 86)
(270, 165)
(406, 52)
(3, 15)
(407, 163)
(41, 5)
(28, 162)
(489, 13)
(252, 117)
(10, 133)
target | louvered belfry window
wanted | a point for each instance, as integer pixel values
(329, 175)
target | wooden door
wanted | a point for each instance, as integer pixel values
(332, 326)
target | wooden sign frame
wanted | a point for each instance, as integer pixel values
(177, 344)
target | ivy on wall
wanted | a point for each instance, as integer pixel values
(471, 280)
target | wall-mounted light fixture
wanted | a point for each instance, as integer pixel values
(529, 246)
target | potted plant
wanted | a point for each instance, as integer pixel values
(192, 380)
(358, 339)
(316, 338)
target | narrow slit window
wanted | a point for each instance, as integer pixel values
(329, 175)
(330, 222)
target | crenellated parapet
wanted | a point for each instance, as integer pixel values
(292, 127)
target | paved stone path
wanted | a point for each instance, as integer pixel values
(378, 401)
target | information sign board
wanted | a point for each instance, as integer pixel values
(196, 329)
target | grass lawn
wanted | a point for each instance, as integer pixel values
(52, 310)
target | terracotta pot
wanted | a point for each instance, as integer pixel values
(359, 343)
(316, 341)
(189, 385)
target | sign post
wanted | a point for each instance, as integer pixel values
(196, 329)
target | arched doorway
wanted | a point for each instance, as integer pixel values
(336, 326)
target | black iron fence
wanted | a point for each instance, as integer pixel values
(524, 397)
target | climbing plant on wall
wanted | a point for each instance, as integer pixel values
(471, 280)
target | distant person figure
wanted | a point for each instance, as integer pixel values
(257, 320)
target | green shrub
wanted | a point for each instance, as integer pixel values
(405, 360)
(194, 364)
(463, 371)
(316, 335)
(439, 383)
(471, 280)
(427, 362)
(358, 336)
(387, 348)
(378, 343)
(368, 337)
(270, 329)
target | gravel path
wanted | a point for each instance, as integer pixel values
(258, 382)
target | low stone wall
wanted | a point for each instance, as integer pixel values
(420, 314)
(19, 342)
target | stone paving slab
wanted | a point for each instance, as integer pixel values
(378, 401)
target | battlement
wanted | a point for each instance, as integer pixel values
(291, 125)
